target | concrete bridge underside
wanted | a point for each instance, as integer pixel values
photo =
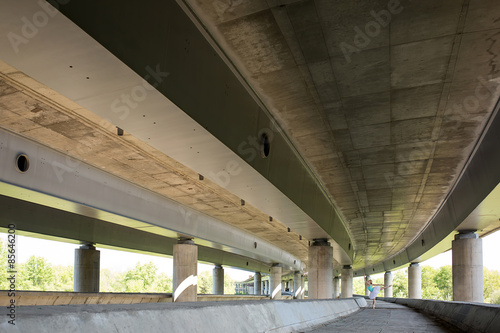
(371, 125)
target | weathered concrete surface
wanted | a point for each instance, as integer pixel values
(470, 317)
(259, 316)
(320, 271)
(86, 269)
(467, 268)
(346, 282)
(383, 98)
(185, 282)
(27, 298)
(415, 281)
(388, 317)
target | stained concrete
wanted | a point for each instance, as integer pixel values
(258, 316)
(387, 317)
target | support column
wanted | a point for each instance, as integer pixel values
(86, 269)
(387, 283)
(367, 292)
(414, 281)
(266, 287)
(185, 281)
(320, 270)
(257, 278)
(302, 286)
(336, 287)
(467, 267)
(275, 282)
(218, 280)
(297, 288)
(346, 286)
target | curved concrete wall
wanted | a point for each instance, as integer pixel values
(470, 317)
(258, 316)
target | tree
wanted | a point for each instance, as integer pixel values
(141, 278)
(229, 287)
(63, 278)
(35, 274)
(444, 283)
(400, 284)
(491, 285)
(205, 283)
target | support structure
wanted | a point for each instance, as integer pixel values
(218, 280)
(467, 267)
(346, 284)
(336, 282)
(275, 282)
(303, 286)
(415, 280)
(387, 283)
(297, 284)
(367, 292)
(266, 287)
(320, 269)
(257, 278)
(185, 281)
(86, 269)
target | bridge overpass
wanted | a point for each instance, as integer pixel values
(283, 137)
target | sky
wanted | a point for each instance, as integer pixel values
(58, 253)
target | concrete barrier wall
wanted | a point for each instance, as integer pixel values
(470, 317)
(26, 298)
(203, 317)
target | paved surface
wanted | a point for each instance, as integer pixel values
(387, 317)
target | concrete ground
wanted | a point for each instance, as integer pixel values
(387, 317)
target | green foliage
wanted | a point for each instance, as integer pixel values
(491, 285)
(35, 274)
(229, 288)
(205, 283)
(358, 286)
(495, 297)
(400, 284)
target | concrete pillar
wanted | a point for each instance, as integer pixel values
(367, 292)
(218, 280)
(320, 270)
(86, 269)
(185, 280)
(262, 287)
(275, 282)
(415, 280)
(297, 287)
(302, 286)
(335, 287)
(257, 278)
(467, 267)
(291, 285)
(388, 282)
(346, 284)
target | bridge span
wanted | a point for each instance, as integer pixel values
(319, 140)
